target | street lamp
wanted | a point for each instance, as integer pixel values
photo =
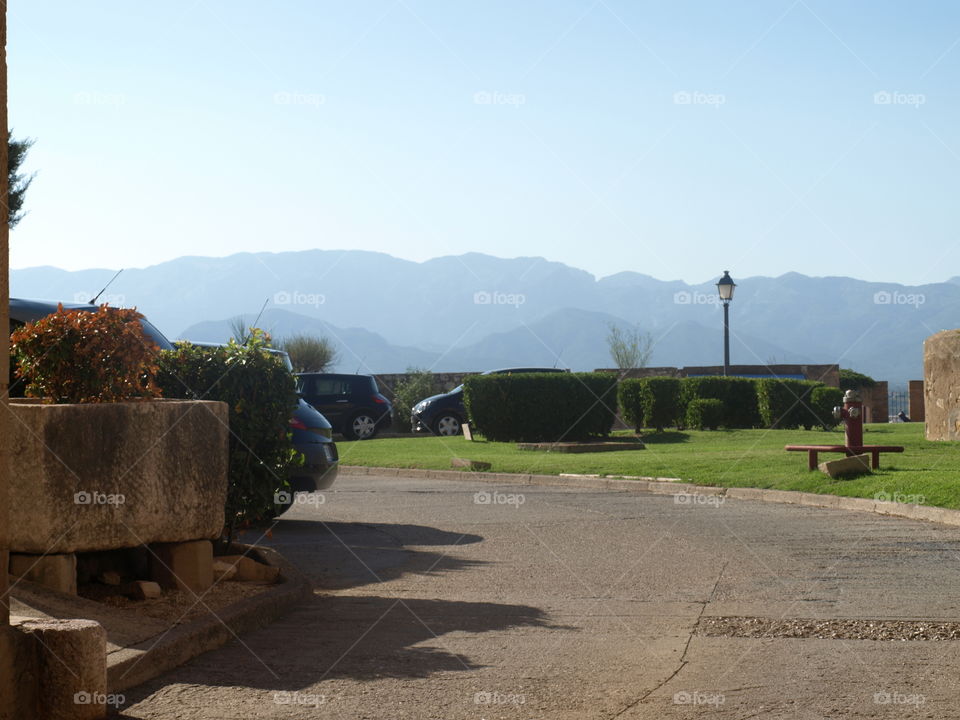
(725, 287)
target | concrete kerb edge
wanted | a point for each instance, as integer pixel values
(671, 486)
(135, 665)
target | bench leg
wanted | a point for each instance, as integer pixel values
(875, 463)
(811, 459)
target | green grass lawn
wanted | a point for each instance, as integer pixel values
(927, 471)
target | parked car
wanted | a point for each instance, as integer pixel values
(352, 403)
(445, 414)
(26, 311)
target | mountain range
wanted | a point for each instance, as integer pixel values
(476, 312)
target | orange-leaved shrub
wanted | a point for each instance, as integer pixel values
(84, 356)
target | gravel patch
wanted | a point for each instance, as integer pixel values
(755, 627)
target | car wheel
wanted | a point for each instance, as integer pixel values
(361, 427)
(447, 425)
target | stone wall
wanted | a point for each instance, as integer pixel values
(941, 385)
(916, 407)
(876, 403)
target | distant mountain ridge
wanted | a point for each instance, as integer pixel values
(475, 311)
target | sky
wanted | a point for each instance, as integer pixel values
(672, 139)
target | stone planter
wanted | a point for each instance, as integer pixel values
(116, 475)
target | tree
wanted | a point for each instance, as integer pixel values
(239, 329)
(629, 348)
(310, 353)
(16, 154)
(852, 380)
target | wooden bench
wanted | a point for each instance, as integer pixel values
(874, 450)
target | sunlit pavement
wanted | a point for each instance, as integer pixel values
(440, 599)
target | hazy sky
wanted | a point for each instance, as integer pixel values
(676, 139)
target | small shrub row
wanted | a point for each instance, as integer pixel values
(541, 407)
(659, 402)
(705, 414)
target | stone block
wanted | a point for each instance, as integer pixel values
(58, 572)
(116, 475)
(223, 571)
(142, 590)
(467, 431)
(941, 385)
(847, 467)
(70, 658)
(184, 566)
(249, 570)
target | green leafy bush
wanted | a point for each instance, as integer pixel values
(261, 394)
(83, 356)
(738, 395)
(786, 403)
(853, 380)
(823, 399)
(704, 413)
(541, 407)
(417, 385)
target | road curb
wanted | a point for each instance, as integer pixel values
(139, 663)
(673, 486)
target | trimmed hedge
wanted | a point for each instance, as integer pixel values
(738, 395)
(703, 413)
(823, 400)
(652, 402)
(541, 407)
(787, 403)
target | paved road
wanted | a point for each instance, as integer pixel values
(565, 603)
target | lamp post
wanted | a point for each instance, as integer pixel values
(725, 287)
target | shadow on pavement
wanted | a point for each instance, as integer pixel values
(357, 637)
(337, 555)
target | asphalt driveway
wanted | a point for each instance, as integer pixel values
(441, 599)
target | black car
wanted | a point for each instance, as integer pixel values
(352, 403)
(445, 414)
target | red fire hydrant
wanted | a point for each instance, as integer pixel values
(852, 415)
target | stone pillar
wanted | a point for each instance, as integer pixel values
(916, 408)
(941, 385)
(7, 688)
